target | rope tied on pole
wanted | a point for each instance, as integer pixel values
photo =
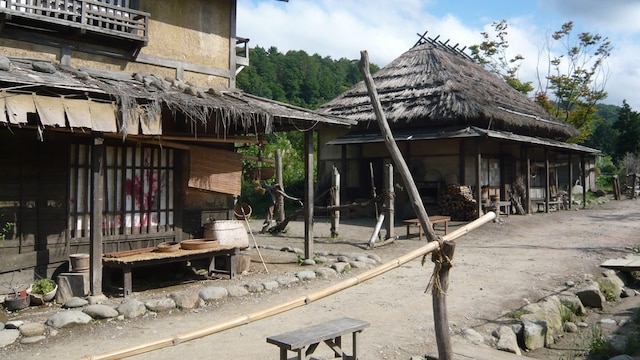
(441, 260)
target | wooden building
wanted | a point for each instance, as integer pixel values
(118, 127)
(457, 125)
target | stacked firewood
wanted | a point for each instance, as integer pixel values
(457, 201)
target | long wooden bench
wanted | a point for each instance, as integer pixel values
(128, 263)
(434, 219)
(329, 332)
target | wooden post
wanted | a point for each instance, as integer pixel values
(439, 299)
(389, 200)
(616, 187)
(335, 201)
(279, 196)
(583, 181)
(395, 153)
(97, 205)
(478, 178)
(528, 184)
(373, 186)
(547, 195)
(308, 194)
(570, 182)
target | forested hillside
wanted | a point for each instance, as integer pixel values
(296, 77)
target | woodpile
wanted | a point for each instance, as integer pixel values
(457, 201)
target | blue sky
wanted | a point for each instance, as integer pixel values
(386, 29)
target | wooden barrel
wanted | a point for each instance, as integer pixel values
(227, 232)
(79, 262)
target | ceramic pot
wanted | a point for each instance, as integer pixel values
(17, 301)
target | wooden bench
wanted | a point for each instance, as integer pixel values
(434, 219)
(329, 332)
(127, 263)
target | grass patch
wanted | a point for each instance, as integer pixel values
(517, 314)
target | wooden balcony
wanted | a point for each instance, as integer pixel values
(72, 17)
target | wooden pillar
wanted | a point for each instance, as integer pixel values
(583, 181)
(97, 206)
(308, 194)
(439, 300)
(279, 181)
(570, 181)
(343, 168)
(335, 201)
(389, 200)
(528, 181)
(479, 178)
(547, 194)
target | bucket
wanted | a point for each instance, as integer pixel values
(242, 211)
(227, 232)
(79, 262)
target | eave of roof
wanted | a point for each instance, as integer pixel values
(361, 137)
(229, 110)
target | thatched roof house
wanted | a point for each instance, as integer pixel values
(456, 124)
(435, 85)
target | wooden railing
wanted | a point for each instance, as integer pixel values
(85, 15)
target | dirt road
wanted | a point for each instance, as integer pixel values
(497, 268)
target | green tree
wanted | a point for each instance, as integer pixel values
(628, 126)
(604, 135)
(576, 79)
(492, 54)
(574, 82)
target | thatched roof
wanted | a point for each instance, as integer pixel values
(434, 85)
(220, 112)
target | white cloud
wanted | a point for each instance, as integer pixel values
(386, 29)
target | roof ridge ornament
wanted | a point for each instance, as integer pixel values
(423, 38)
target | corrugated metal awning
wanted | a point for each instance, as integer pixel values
(360, 137)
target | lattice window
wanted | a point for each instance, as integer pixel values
(138, 191)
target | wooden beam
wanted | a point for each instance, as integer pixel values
(225, 140)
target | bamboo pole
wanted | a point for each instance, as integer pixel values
(376, 231)
(292, 304)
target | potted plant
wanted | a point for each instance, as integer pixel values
(42, 290)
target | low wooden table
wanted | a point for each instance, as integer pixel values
(127, 263)
(555, 204)
(497, 205)
(434, 219)
(329, 332)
